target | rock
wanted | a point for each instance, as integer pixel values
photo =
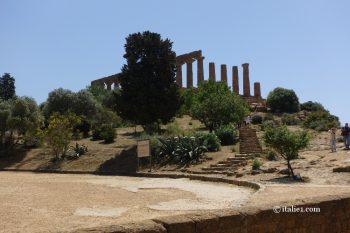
(284, 171)
(313, 162)
(342, 169)
(256, 172)
(239, 175)
(270, 170)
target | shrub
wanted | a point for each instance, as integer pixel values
(58, 132)
(226, 134)
(282, 100)
(312, 106)
(271, 155)
(33, 139)
(321, 121)
(84, 127)
(96, 133)
(256, 164)
(108, 133)
(181, 150)
(210, 141)
(173, 129)
(267, 124)
(257, 119)
(289, 119)
(268, 117)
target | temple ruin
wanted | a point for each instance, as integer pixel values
(255, 101)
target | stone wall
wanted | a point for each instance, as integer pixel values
(334, 217)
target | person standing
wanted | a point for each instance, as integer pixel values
(345, 132)
(333, 132)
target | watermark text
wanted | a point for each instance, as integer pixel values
(295, 209)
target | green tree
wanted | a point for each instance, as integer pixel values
(64, 101)
(18, 118)
(7, 87)
(282, 100)
(186, 97)
(286, 143)
(215, 105)
(59, 131)
(148, 92)
(105, 97)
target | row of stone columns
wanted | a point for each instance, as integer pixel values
(212, 76)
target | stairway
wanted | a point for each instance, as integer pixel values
(228, 166)
(248, 141)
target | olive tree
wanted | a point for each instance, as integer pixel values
(286, 143)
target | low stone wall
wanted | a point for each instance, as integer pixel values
(207, 178)
(334, 217)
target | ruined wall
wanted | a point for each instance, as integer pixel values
(333, 218)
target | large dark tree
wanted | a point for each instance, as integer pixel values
(281, 100)
(7, 87)
(148, 93)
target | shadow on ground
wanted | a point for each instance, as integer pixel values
(124, 162)
(14, 158)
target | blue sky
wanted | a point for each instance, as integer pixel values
(300, 45)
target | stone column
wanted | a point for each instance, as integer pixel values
(116, 85)
(189, 74)
(246, 82)
(200, 70)
(179, 74)
(235, 82)
(257, 91)
(224, 73)
(212, 71)
(109, 85)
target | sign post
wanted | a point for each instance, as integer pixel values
(143, 151)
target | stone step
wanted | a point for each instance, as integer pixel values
(243, 155)
(214, 168)
(224, 165)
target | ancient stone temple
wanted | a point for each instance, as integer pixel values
(255, 101)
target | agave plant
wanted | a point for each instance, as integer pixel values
(182, 150)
